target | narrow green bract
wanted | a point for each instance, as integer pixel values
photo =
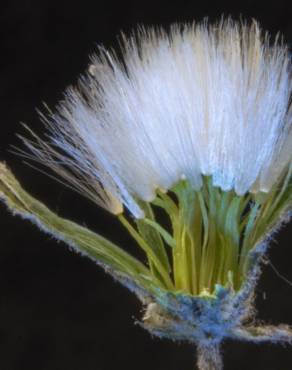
(211, 235)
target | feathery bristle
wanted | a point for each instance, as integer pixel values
(199, 100)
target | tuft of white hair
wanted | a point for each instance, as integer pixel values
(197, 100)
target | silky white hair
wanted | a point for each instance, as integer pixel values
(197, 100)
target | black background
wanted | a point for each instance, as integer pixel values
(57, 309)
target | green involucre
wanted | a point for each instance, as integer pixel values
(207, 243)
(211, 233)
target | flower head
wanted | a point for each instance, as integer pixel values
(196, 122)
(199, 100)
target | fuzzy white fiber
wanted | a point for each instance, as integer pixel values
(197, 100)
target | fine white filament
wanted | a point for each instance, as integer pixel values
(197, 100)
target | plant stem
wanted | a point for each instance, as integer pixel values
(209, 357)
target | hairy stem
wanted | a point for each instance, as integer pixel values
(209, 357)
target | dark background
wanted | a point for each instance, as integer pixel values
(57, 309)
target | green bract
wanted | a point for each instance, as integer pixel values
(211, 233)
(207, 244)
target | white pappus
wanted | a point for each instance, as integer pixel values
(197, 100)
